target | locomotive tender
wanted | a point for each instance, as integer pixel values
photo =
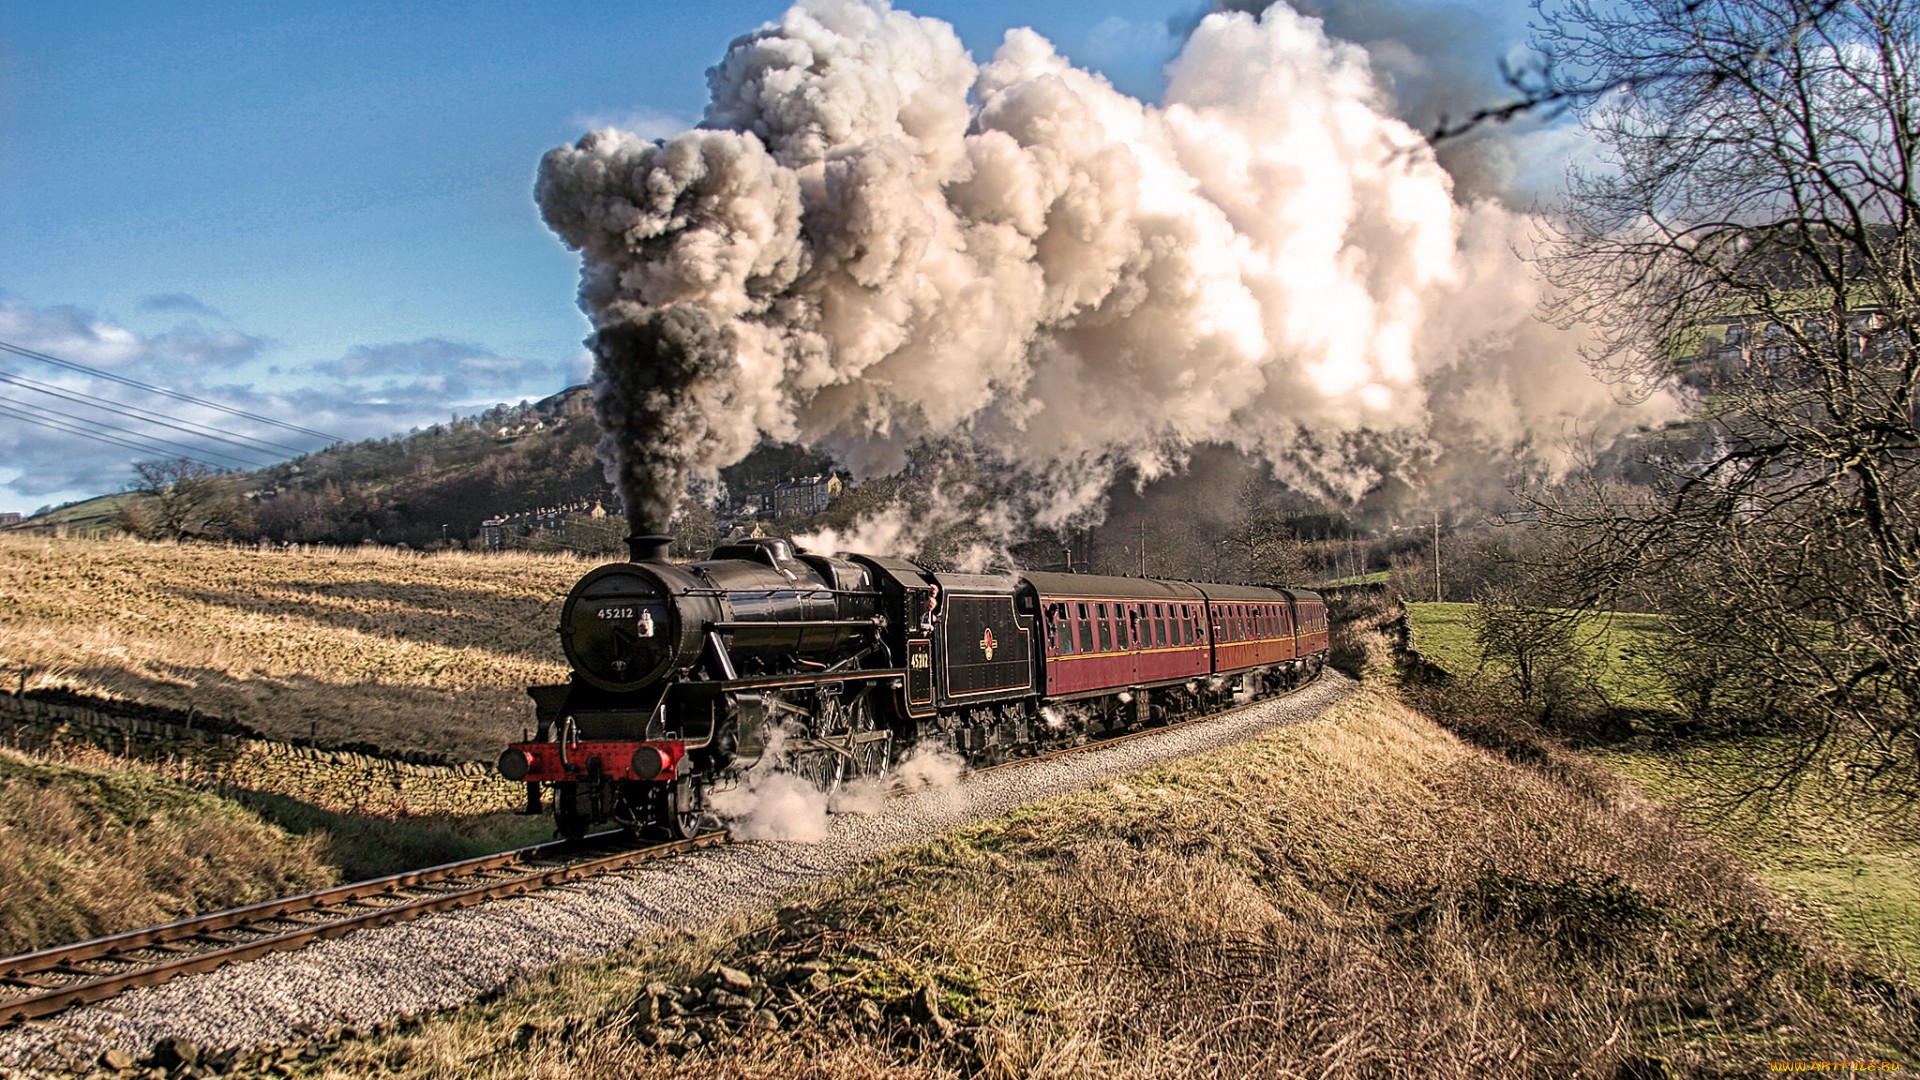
(684, 676)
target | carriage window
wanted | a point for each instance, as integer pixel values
(1106, 627)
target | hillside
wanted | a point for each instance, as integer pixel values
(428, 489)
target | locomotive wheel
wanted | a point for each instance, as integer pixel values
(566, 813)
(829, 770)
(823, 769)
(681, 811)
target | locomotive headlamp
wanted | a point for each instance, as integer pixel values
(515, 764)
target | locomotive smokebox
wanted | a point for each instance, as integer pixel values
(651, 547)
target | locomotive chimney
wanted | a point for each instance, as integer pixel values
(651, 547)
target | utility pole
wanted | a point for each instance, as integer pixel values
(1143, 547)
(1436, 555)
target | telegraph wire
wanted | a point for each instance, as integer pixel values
(20, 350)
(206, 431)
(150, 445)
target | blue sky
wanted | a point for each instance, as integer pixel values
(324, 214)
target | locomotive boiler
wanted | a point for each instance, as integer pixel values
(835, 666)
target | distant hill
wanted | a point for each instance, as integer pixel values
(431, 487)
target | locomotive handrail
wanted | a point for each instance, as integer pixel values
(730, 625)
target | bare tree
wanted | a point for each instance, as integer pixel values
(1532, 650)
(1561, 73)
(1758, 226)
(1258, 544)
(185, 500)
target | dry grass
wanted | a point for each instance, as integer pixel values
(1361, 895)
(91, 845)
(370, 645)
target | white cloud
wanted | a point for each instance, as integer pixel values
(648, 123)
(183, 303)
(372, 390)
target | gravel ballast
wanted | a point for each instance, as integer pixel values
(445, 960)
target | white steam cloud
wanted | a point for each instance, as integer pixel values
(768, 803)
(873, 240)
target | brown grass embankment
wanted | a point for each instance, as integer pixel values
(1364, 894)
(377, 646)
(91, 845)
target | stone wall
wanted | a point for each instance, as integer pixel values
(342, 781)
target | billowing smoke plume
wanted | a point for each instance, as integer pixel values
(872, 240)
(1435, 65)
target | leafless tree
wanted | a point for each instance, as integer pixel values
(1758, 219)
(1561, 74)
(1532, 650)
(1258, 544)
(185, 500)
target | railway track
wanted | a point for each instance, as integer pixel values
(45, 982)
(42, 983)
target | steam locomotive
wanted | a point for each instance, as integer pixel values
(837, 666)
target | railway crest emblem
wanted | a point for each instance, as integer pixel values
(987, 644)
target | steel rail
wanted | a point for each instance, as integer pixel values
(45, 982)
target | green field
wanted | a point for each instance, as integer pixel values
(1854, 868)
(1616, 646)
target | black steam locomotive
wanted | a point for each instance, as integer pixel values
(836, 666)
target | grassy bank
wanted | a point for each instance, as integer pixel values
(398, 650)
(1852, 867)
(1361, 894)
(93, 846)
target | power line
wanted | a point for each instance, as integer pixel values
(205, 431)
(20, 350)
(147, 446)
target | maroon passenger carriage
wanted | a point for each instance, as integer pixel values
(684, 676)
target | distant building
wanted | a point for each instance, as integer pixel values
(513, 530)
(1738, 349)
(805, 496)
(9, 518)
(799, 497)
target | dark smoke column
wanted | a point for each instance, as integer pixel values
(682, 243)
(647, 379)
